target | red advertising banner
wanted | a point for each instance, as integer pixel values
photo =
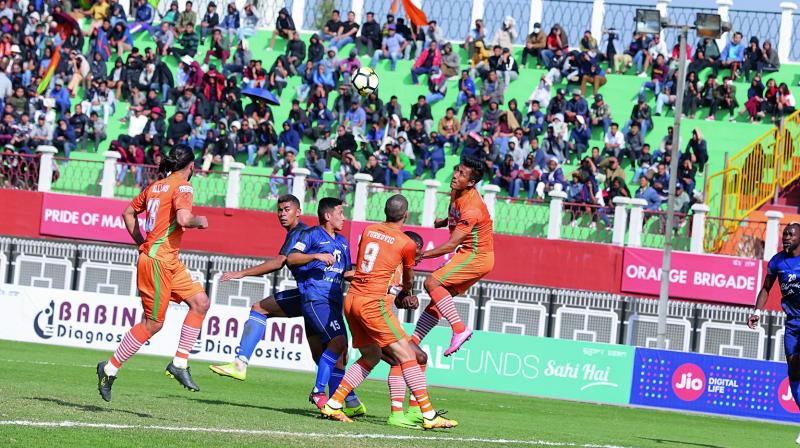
(432, 238)
(84, 217)
(709, 278)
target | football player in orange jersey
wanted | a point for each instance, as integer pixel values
(373, 326)
(471, 236)
(161, 276)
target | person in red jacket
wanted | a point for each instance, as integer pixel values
(429, 58)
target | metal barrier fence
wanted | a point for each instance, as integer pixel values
(210, 188)
(78, 176)
(741, 238)
(378, 194)
(20, 171)
(492, 306)
(317, 189)
(132, 178)
(314, 14)
(765, 25)
(454, 16)
(575, 17)
(620, 16)
(495, 11)
(521, 217)
(654, 230)
(587, 222)
(795, 53)
(789, 161)
(258, 192)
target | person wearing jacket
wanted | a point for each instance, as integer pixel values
(230, 23)
(534, 44)
(241, 59)
(210, 21)
(428, 58)
(249, 23)
(451, 61)
(732, 56)
(316, 51)
(143, 19)
(466, 89)
(370, 35)
(295, 52)
(769, 61)
(284, 27)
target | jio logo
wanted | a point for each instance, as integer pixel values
(785, 397)
(688, 382)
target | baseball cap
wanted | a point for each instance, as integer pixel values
(598, 97)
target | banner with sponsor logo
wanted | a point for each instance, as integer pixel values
(710, 278)
(99, 321)
(528, 365)
(84, 217)
(715, 384)
(431, 237)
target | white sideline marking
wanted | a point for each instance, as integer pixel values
(260, 432)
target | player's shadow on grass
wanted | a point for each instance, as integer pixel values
(290, 411)
(88, 407)
(680, 442)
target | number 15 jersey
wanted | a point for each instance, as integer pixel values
(381, 250)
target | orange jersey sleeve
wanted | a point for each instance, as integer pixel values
(382, 250)
(161, 202)
(468, 214)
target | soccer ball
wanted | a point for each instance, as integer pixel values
(364, 80)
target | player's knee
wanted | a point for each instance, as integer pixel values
(422, 357)
(338, 344)
(201, 304)
(431, 283)
(153, 326)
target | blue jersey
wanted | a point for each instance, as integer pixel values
(291, 239)
(317, 281)
(787, 269)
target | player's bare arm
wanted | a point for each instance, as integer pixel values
(348, 276)
(187, 220)
(405, 299)
(297, 258)
(267, 267)
(456, 238)
(761, 300)
(132, 225)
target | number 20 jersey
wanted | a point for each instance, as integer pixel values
(381, 250)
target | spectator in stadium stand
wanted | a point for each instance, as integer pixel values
(610, 169)
(451, 61)
(698, 149)
(346, 33)
(349, 167)
(283, 173)
(493, 89)
(316, 51)
(600, 114)
(397, 168)
(667, 95)
(556, 40)
(373, 107)
(64, 137)
(649, 194)
(370, 35)
(658, 77)
(479, 59)
(409, 35)
(188, 44)
(725, 98)
(786, 102)
(505, 176)
(769, 59)
(218, 48)
(348, 65)
(508, 67)
(634, 141)
(295, 52)
(434, 34)
(266, 139)
(633, 54)
(373, 168)
(732, 56)
(427, 59)
(686, 175)
(655, 48)
(392, 47)
(284, 26)
(477, 33)
(449, 129)
(210, 21)
(249, 23)
(534, 44)
(588, 43)
(553, 146)
(231, 22)
(551, 179)
(316, 167)
(331, 27)
(132, 155)
(466, 89)
(506, 35)
(164, 39)
(431, 157)
(578, 139)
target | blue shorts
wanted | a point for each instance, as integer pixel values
(291, 302)
(324, 318)
(791, 336)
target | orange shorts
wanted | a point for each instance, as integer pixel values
(464, 270)
(160, 282)
(372, 321)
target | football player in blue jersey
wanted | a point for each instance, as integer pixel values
(785, 268)
(283, 304)
(320, 260)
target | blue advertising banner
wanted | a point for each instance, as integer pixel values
(714, 384)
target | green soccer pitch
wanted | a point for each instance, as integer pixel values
(48, 398)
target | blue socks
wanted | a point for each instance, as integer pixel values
(254, 330)
(793, 385)
(326, 365)
(333, 384)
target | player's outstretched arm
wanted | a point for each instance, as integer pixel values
(297, 258)
(264, 268)
(186, 219)
(456, 238)
(761, 300)
(439, 223)
(132, 225)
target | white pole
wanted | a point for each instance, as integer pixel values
(109, 174)
(598, 13)
(429, 202)
(636, 222)
(490, 197)
(45, 167)
(773, 234)
(299, 184)
(360, 199)
(537, 12)
(620, 220)
(556, 209)
(787, 29)
(234, 185)
(699, 213)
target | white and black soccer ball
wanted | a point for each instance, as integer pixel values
(364, 80)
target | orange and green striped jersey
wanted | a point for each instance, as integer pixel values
(468, 214)
(161, 202)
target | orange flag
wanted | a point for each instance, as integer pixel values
(414, 14)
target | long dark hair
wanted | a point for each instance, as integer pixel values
(178, 158)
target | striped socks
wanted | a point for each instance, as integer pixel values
(427, 320)
(131, 343)
(355, 375)
(412, 402)
(415, 380)
(189, 332)
(444, 301)
(397, 388)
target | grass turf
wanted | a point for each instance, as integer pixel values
(54, 384)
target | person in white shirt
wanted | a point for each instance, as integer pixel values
(542, 93)
(614, 141)
(657, 47)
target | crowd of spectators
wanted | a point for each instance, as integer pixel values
(525, 146)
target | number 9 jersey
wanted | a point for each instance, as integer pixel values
(381, 250)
